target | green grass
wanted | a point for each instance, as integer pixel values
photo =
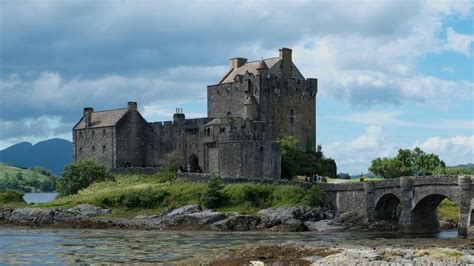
(131, 195)
(23, 179)
(448, 211)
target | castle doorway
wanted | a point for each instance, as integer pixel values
(193, 163)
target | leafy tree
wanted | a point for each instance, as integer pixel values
(19, 176)
(174, 160)
(213, 195)
(295, 161)
(407, 162)
(80, 175)
(315, 197)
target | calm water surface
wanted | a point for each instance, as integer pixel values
(39, 197)
(64, 246)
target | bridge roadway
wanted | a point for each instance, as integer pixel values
(411, 200)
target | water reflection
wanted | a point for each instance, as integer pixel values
(60, 246)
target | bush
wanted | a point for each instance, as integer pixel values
(80, 175)
(9, 196)
(174, 161)
(315, 197)
(136, 198)
(165, 176)
(213, 196)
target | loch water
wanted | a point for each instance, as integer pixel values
(36, 246)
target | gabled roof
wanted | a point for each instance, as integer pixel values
(250, 67)
(103, 118)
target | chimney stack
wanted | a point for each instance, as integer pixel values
(287, 62)
(88, 116)
(132, 106)
(237, 62)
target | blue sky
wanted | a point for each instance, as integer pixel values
(392, 74)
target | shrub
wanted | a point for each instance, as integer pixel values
(315, 197)
(213, 195)
(136, 198)
(165, 176)
(80, 175)
(174, 161)
(9, 196)
(251, 195)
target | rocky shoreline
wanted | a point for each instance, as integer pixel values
(193, 217)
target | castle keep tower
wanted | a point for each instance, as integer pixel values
(254, 105)
(272, 91)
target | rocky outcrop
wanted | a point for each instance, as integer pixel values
(288, 219)
(88, 210)
(237, 223)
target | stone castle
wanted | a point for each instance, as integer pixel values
(254, 105)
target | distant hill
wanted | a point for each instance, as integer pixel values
(51, 154)
(465, 166)
(34, 179)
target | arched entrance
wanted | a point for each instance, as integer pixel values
(388, 208)
(193, 163)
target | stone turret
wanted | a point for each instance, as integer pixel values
(251, 108)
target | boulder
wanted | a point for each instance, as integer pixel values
(236, 223)
(193, 208)
(290, 225)
(31, 216)
(203, 218)
(88, 210)
(275, 216)
(313, 214)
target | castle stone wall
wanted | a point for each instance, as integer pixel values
(96, 144)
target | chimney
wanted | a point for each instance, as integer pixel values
(178, 116)
(237, 62)
(132, 106)
(287, 62)
(88, 116)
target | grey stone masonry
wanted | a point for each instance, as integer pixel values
(254, 105)
(418, 198)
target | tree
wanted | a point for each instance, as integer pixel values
(80, 175)
(213, 196)
(295, 161)
(174, 160)
(407, 162)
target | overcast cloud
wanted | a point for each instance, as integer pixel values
(60, 56)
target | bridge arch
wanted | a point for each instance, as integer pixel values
(423, 213)
(388, 207)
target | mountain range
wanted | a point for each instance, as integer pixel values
(51, 154)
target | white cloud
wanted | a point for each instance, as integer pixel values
(458, 42)
(452, 150)
(448, 69)
(354, 155)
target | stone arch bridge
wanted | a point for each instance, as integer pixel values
(413, 200)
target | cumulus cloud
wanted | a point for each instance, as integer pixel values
(453, 150)
(459, 42)
(354, 155)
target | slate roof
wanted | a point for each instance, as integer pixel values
(103, 118)
(223, 121)
(250, 67)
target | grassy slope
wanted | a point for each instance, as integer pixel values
(140, 190)
(12, 172)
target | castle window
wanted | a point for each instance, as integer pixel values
(80, 150)
(93, 149)
(80, 135)
(222, 130)
(292, 116)
(103, 133)
(103, 149)
(93, 134)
